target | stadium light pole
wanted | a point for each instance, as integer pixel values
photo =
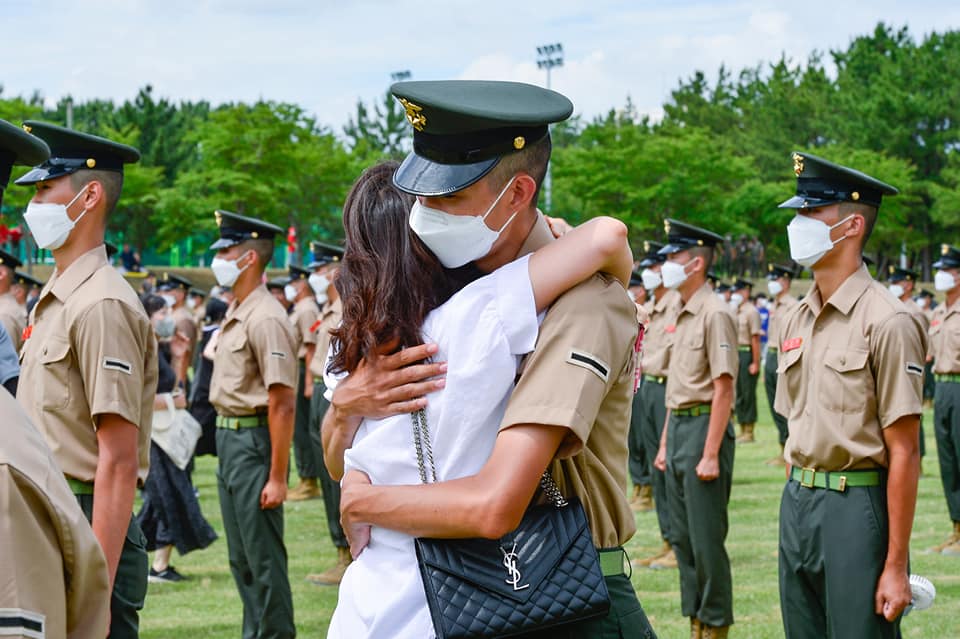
(548, 57)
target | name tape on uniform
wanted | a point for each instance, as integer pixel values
(590, 362)
(114, 364)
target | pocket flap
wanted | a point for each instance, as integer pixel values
(54, 351)
(844, 360)
(237, 343)
(788, 359)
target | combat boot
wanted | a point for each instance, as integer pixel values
(306, 489)
(635, 495)
(644, 501)
(714, 632)
(646, 561)
(776, 460)
(666, 562)
(334, 575)
(696, 628)
(951, 540)
(746, 434)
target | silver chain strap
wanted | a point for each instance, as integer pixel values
(421, 443)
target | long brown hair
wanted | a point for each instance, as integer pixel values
(388, 280)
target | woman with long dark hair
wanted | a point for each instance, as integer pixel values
(395, 294)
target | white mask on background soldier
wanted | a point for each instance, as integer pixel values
(651, 279)
(169, 299)
(774, 287)
(50, 223)
(922, 302)
(810, 239)
(673, 274)
(736, 300)
(289, 292)
(456, 239)
(191, 303)
(896, 289)
(227, 271)
(944, 281)
(319, 284)
(165, 327)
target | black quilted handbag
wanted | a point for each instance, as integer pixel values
(543, 574)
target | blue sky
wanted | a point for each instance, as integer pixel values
(325, 55)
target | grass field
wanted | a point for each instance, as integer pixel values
(208, 607)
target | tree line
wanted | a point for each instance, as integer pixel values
(888, 104)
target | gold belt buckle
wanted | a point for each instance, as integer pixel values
(843, 483)
(807, 483)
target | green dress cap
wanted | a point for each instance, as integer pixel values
(235, 228)
(20, 148)
(461, 129)
(324, 254)
(682, 236)
(822, 183)
(949, 257)
(169, 281)
(652, 254)
(72, 151)
(896, 274)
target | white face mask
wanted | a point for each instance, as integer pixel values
(50, 223)
(943, 281)
(165, 327)
(456, 239)
(319, 284)
(736, 300)
(896, 289)
(169, 299)
(673, 274)
(810, 239)
(651, 279)
(226, 271)
(922, 302)
(289, 292)
(774, 287)
(191, 303)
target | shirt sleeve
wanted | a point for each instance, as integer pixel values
(515, 305)
(898, 348)
(305, 322)
(9, 362)
(113, 354)
(755, 327)
(274, 347)
(721, 341)
(585, 347)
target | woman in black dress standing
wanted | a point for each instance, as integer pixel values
(170, 516)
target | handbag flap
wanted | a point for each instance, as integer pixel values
(514, 565)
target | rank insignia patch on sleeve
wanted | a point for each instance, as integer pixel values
(590, 362)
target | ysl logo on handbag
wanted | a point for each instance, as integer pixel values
(510, 563)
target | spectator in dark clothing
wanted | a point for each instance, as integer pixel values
(130, 259)
(200, 406)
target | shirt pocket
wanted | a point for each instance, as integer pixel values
(55, 389)
(845, 386)
(789, 372)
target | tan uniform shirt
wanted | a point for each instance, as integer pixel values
(704, 349)
(255, 350)
(658, 337)
(748, 323)
(91, 351)
(14, 319)
(52, 570)
(329, 319)
(780, 307)
(581, 377)
(303, 318)
(945, 339)
(848, 369)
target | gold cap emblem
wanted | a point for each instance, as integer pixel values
(519, 142)
(27, 128)
(91, 163)
(415, 115)
(855, 196)
(944, 249)
(217, 216)
(254, 235)
(646, 246)
(797, 164)
(666, 227)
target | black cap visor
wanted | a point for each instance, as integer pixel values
(801, 202)
(419, 176)
(223, 243)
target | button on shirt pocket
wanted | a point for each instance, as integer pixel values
(844, 387)
(55, 388)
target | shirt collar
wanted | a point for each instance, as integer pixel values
(844, 297)
(243, 310)
(695, 303)
(538, 237)
(77, 273)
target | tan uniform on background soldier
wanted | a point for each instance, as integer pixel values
(89, 361)
(13, 315)
(748, 351)
(779, 279)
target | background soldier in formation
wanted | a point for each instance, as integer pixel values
(641, 499)
(851, 362)
(90, 357)
(945, 337)
(779, 279)
(697, 446)
(253, 386)
(748, 349)
(13, 315)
